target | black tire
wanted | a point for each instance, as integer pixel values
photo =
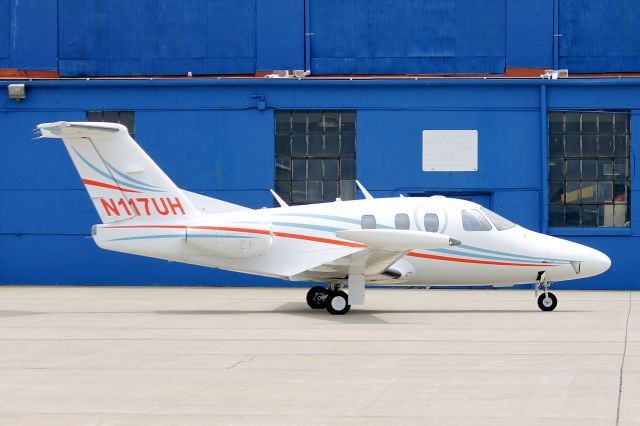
(338, 303)
(317, 297)
(547, 305)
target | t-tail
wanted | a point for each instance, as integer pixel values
(124, 183)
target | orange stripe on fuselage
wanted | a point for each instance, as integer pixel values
(329, 241)
(482, 262)
(106, 185)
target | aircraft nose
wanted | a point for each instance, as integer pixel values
(600, 262)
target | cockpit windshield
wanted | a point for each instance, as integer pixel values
(498, 221)
(472, 220)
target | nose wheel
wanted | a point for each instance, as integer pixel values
(547, 301)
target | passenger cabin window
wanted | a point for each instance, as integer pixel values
(498, 221)
(472, 220)
(403, 221)
(431, 222)
(368, 221)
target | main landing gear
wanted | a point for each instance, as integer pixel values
(547, 301)
(334, 300)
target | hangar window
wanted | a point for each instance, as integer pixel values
(589, 179)
(125, 118)
(315, 155)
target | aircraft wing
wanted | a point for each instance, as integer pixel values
(381, 259)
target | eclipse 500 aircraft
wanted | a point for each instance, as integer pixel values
(387, 241)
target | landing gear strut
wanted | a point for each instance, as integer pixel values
(547, 301)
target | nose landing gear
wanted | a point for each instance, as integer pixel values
(547, 301)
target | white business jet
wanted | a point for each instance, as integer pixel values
(387, 241)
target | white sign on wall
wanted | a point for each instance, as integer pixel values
(450, 150)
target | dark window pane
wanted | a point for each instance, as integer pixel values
(314, 191)
(299, 169)
(572, 215)
(283, 122)
(348, 190)
(283, 146)
(605, 146)
(314, 170)
(348, 145)
(555, 168)
(621, 169)
(299, 122)
(605, 124)
(555, 122)
(329, 190)
(331, 123)
(94, 116)
(573, 169)
(556, 190)
(605, 169)
(620, 193)
(283, 189)
(573, 192)
(316, 124)
(348, 123)
(126, 119)
(621, 146)
(368, 221)
(590, 169)
(315, 145)
(431, 222)
(556, 215)
(283, 168)
(588, 192)
(572, 145)
(556, 146)
(111, 116)
(347, 168)
(331, 145)
(299, 191)
(620, 124)
(298, 145)
(589, 122)
(572, 124)
(590, 215)
(605, 192)
(402, 221)
(331, 169)
(589, 145)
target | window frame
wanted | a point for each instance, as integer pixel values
(629, 180)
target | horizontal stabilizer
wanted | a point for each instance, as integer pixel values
(398, 239)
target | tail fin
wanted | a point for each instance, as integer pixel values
(122, 180)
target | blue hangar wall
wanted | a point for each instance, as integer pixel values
(210, 137)
(173, 37)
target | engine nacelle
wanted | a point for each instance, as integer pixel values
(230, 242)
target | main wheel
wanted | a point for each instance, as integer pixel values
(547, 303)
(338, 303)
(317, 297)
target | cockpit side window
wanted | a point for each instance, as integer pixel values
(431, 222)
(403, 221)
(498, 221)
(472, 220)
(368, 221)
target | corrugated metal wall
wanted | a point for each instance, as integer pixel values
(173, 37)
(600, 36)
(384, 37)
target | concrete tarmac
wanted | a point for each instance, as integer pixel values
(191, 356)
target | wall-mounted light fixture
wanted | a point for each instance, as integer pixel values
(17, 92)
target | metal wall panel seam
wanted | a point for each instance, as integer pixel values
(544, 189)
